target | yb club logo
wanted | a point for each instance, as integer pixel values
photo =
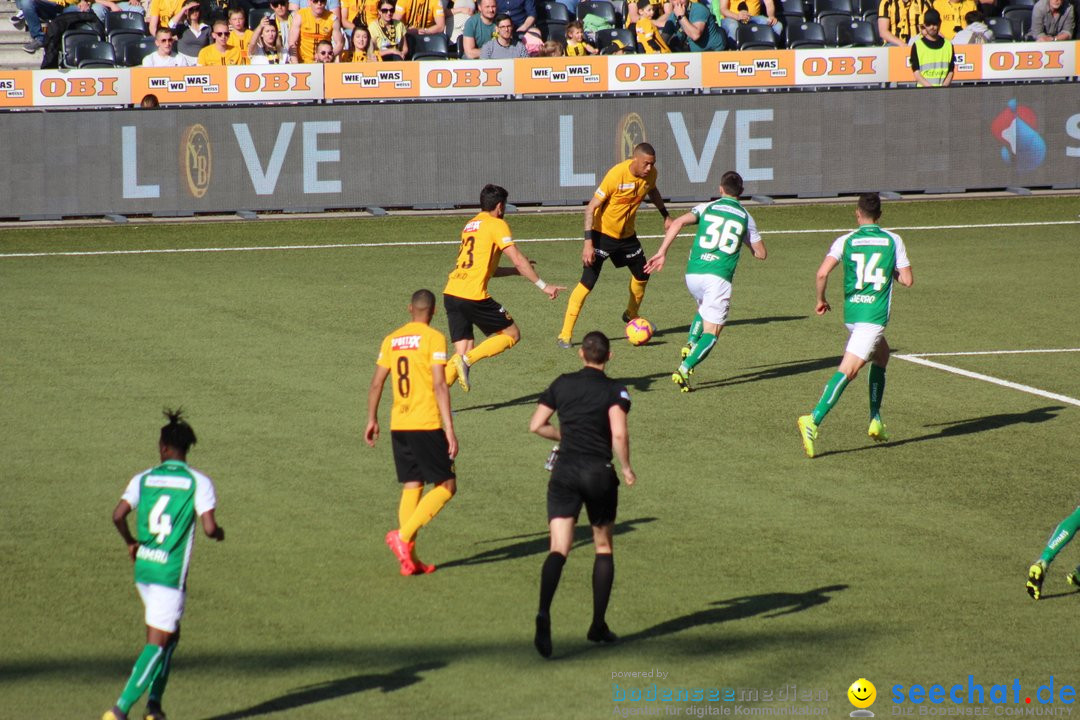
(631, 131)
(1017, 128)
(195, 159)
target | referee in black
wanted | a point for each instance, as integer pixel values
(592, 412)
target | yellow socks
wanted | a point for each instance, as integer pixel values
(451, 373)
(573, 309)
(497, 343)
(410, 498)
(637, 293)
(428, 508)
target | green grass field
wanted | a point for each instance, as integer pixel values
(740, 563)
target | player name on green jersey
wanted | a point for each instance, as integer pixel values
(723, 227)
(870, 256)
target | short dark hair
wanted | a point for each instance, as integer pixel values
(732, 184)
(575, 25)
(644, 149)
(973, 17)
(500, 17)
(491, 196)
(177, 434)
(870, 205)
(596, 347)
(422, 299)
(642, 4)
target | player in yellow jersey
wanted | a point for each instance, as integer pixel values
(421, 428)
(309, 26)
(221, 51)
(483, 242)
(610, 233)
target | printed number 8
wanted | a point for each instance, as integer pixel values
(403, 384)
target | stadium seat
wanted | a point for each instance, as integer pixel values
(552, 17)
(831, 23)
(809, 35)
(73, 39)
(96, 54)
(556, 32)
(256, 14)
(857, 33)
(428, 47)
(867, 7)
(796, 11)
(604, 38)
(135, 52)
(755, 37)
(1018, 14)
(1002, 29)
(620, 12)
(1020, 3)
(120, 39)
(838, 7)
(600, 8)
(124, 20)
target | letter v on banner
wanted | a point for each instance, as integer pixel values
(263, 181)
(697, 167)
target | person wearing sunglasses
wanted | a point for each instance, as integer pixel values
(505, 45)
(310, 26)
(388, 34)
(166, 55)
(220, 51)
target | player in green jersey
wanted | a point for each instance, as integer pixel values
(1063, 533)
(166, 500)
(871, 258)
(724, 227)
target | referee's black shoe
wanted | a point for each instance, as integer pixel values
(542, 641)
(601, 634)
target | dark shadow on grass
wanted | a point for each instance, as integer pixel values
(773, 372)
(529, 399)
(537, 544)
(333, 689)
(770, 605)
(959, 428)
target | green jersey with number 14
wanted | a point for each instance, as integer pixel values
(869, 257)
(723, 227)
(167, 500)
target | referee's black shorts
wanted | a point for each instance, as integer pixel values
(577, 481)
(462, 314)
(422, 456)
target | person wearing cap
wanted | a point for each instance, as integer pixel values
(952, 14)
(617, 47)
(932, 59)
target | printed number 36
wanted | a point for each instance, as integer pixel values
(722, 235)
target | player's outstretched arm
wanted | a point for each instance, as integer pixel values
(371, 432)
(656, 262)
(524, 268)
(620, 442)
(210, 526)
(541, 423)
(119, 518)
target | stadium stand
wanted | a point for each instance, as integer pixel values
(755, 37)
(805, 35)
(601, 8)
(96, 54)
(428, 47)
(71, 41)
(857, 33)
(604, 38)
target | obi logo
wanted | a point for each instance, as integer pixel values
(1017, 128)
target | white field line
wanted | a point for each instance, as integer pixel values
(920, 359)
(333, 246)
(992, 352)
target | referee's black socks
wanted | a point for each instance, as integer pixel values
(603, 576)
(549, 580)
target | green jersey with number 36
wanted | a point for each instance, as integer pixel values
(723, 227)
(869, 256)
(167, 500)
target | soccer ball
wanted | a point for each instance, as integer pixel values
(639, 331)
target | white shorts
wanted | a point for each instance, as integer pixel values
(864, 338)
(713, 295)
(164, 606)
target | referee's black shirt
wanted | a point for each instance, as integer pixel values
(582, 400)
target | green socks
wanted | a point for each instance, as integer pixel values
(877, 390)
(143, 674)
(833, 390)
(701, 350)
(1061, 536)
(696, 329)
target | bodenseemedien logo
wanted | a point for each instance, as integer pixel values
(862, 695)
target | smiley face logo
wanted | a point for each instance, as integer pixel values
(862, 693)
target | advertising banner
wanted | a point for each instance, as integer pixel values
(653, 72)
(180, 85)
(553, 76)
(371, 81)
(748, 68)
(275, 83)
(968, 63)
(253, 157)
(453, 78)
(82, 88)
(1025, 61)
(16, 88)
(842, 66)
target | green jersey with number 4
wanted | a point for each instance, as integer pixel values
(167, 500)
(723, 227)
(869, 257)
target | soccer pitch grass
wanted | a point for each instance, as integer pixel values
(739, 562)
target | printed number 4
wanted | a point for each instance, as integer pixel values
(725, 239)
(868, 273)
(160, 523)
